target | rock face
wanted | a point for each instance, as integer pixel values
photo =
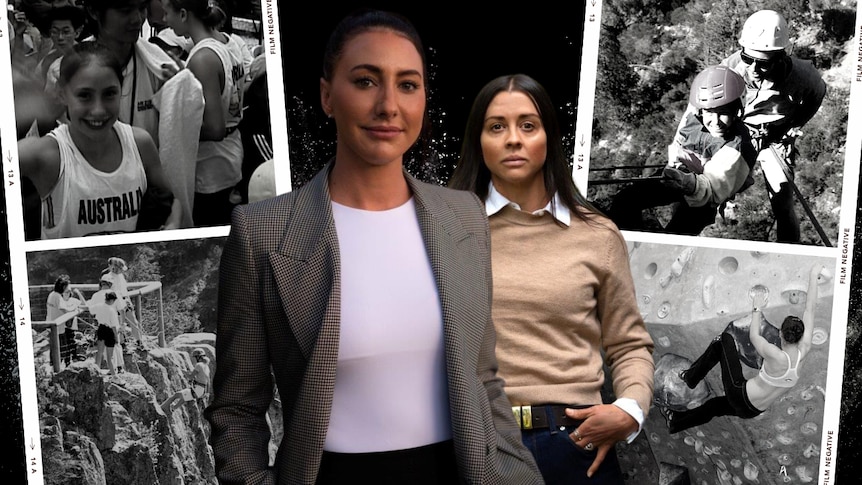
(103, 429)
(687, 297)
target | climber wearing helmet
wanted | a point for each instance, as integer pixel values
(782, 94)
(709, 160)
(199, 387)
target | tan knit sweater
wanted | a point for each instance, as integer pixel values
(561, 297)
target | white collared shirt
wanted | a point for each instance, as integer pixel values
(495, 202)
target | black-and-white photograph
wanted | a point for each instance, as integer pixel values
(138, 115)
(728, 121)
(123, 343)
(741, 352)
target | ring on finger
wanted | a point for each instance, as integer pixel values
(578, 435)
(589, 447)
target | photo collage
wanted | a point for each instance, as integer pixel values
(165, 151)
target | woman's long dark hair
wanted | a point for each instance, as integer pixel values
(473, 175)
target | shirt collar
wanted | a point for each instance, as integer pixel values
(495, 202)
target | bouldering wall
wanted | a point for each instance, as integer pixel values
(689, 295)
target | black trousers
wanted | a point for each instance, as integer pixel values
(212, 209)
(426, 465)
(629, 203)
(735, 400)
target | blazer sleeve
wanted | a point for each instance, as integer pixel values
(242, 384)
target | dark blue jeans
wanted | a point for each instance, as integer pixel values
(562, 462)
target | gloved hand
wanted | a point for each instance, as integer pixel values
(679, 181)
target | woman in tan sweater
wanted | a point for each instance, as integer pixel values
(564, 301)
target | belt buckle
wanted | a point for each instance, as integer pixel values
(524, 416)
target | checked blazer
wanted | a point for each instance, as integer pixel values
(278, 314)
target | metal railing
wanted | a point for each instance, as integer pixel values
(136, 291)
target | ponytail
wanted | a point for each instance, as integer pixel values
(209, 12)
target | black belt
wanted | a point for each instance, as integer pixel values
(230, 129)
(535, 417)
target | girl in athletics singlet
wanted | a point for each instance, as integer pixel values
(92, 172)
(219, 68)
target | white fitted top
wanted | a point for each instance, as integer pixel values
(390, 386)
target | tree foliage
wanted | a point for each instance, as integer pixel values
(187, 270)
(649, 52)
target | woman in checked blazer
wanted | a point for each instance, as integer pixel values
(367, 294)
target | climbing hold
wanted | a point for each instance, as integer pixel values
(728, 265)
(808, 428)
(758, 291)
(784, 439)
(819, 336)
(664, 310)
(708, 291)
(803, 473)
(811, 450)
(665, 280)
(650, 271)
(750, 471)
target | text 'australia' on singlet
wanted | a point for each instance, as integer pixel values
(85, 201)
(788, 379)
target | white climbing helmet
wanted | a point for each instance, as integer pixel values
(765, 30)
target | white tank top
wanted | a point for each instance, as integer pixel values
(85, 201)
(790, 376)
(219, 164)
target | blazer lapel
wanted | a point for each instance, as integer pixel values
(452, 252)
(442, 233)
(306, 267)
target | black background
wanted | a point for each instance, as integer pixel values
(465, 48)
